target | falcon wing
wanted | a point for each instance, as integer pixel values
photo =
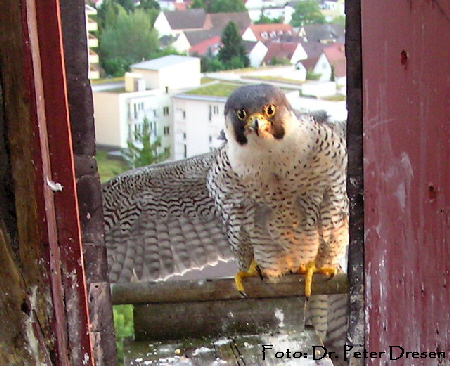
(160, 221)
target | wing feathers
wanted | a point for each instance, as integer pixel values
(161, 221)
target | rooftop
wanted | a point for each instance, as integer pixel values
(336, 57)
(202, 48)
(280, 50)
(162, 62)
(220, 20)
(186, 19)
(264, 32)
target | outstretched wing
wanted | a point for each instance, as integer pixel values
(160, 221)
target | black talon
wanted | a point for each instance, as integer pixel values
(258, 269)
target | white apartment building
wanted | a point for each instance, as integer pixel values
(197, 122)
(119, 113)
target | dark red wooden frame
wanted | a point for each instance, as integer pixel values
(406, 103)
(55, 182)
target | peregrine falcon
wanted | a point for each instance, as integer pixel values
(274, 193)
(279, 185)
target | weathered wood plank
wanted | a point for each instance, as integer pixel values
(27, 221)
(223, 289)
(88, 189)
(215, 318)
(355, 181)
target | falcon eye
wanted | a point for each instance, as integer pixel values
(241, 113)
(269, 110)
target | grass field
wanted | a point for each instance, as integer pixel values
(108, 168)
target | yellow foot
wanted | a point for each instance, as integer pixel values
(252, 271)
(309, 269)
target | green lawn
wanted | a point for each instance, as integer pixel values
(123, 326)
(108, 168)
(273, 78)
(107, 80)
(335, 98)
(216, 90)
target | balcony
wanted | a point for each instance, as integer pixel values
(91, 26)
(93, 73)
(93, 57)
(92, 41)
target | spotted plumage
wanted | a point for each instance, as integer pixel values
(280, 188)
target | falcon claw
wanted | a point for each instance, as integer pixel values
(253, 270)
(309, 270)
(243, 294)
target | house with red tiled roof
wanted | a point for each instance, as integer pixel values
(331, 64)
(209, 46)
(267, 32)
(188, 28)
(293, 52)
(177, 21)
(324, 33)
(183, 5)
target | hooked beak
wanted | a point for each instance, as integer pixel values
(256, 123)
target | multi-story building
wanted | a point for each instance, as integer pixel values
(120, 111)
(197, 122)
(92, 41)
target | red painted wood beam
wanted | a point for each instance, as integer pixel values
(406, 177)
(55, 180)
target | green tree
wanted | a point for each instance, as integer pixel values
(198, 4)
(211, 64)
(340, 20)
(232, 54)
(148, 4)
(226, 6)
(266, 20)
(307, 12)
(130, 39)
(141, 151)
(108, 13)
(310, 75)
(128, 5)
(279, 61)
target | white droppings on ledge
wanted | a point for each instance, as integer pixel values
(55, 187)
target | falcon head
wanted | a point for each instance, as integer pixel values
(255, 112)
